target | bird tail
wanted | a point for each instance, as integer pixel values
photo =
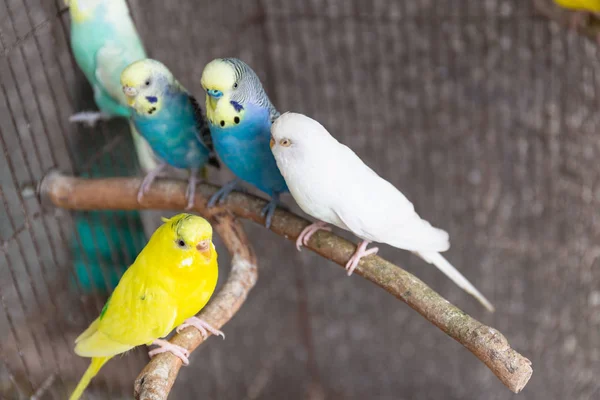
(443, 265)
(95, 365)
(146, 156)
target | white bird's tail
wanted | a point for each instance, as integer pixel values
(443, 265)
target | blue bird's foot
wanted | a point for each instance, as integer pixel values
(190, 193)
(222, 193)
(269, 210)
(148, 179)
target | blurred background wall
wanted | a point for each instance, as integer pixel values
(483, 113)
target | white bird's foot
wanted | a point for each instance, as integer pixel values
(307, 232)
(164, 346)
(221, 194)
(190, 193)
(201, 325)
(90, 118)
(360, 252)
(147, 182)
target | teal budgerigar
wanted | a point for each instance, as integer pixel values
(104, 41)
(240, 115)
(170, 119)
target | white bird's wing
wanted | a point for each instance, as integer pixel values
(373, 209)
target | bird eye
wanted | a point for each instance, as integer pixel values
(147, 82)
(235, 85)
(285, 142)
(180, 243)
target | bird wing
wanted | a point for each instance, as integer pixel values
(111, 60)
(373, 209)
(204, 132)
(138, 311)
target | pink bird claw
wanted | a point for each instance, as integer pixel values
(203, 326)
(360, 252)
(310, 230)
(147, 182)
(190, 193)
(165, 346)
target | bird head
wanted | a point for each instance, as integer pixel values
(220, 78)
(295, 135)
(145, 83)
(190, 238)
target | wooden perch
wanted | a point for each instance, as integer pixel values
(486, 343)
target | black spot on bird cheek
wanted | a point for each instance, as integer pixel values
(222, 123)
(150, 111)
(236, 120)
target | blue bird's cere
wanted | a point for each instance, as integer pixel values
(170, 119)
(240, 116)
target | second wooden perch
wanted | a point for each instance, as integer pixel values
(486, 343)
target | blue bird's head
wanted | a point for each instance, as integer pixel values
(145, 83)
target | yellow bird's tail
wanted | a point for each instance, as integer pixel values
(95, 365)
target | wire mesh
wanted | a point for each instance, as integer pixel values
(484, 113)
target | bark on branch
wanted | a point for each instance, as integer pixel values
(486, 343)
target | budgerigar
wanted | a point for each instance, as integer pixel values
(581, 8)
(170, 119)
(332, 184)
(240, 116)
(104, 41)
(172, 279)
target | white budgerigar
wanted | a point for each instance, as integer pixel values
(332, 184)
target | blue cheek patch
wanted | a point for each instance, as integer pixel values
(152, 99)
(237, 106)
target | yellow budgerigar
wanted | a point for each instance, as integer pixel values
(172, 279)
(581, 8)
(583, 5)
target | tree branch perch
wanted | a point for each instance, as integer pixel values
(486, 343)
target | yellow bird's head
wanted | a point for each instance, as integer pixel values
(186, 240)
(145, 83)
(219, 80)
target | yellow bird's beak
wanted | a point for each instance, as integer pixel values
(272, 142)
(204, 248)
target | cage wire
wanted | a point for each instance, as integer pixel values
(449, 85)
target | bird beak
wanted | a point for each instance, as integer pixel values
(272, 142)
(130, 92)
(214, 93)
(204, 248)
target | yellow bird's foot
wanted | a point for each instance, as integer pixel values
(165, 346)
(360, 252)
(310, 230)
(202, 326)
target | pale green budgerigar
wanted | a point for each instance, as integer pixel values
(104, 42)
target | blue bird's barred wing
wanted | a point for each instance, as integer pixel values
(204, 132)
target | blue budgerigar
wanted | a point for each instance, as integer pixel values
(170, 119)
(104, 41)
(240, 115)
